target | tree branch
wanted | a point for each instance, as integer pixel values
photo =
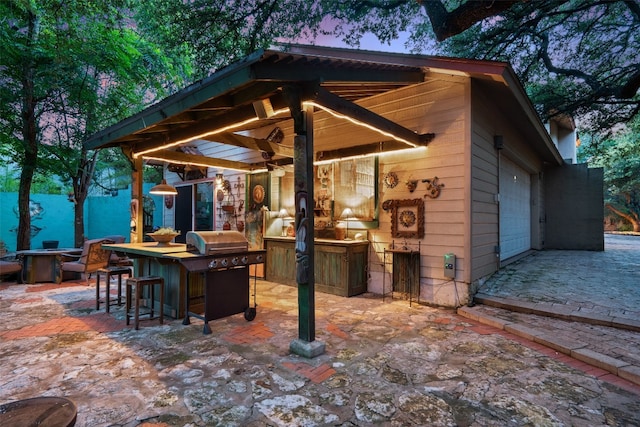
(634, 7)
(544, 55)
(630, 88)
(446, 24)
(633, 220)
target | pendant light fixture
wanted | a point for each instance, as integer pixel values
(164, 189)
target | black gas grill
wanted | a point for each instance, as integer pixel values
(223, 259)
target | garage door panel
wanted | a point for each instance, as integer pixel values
(515, 209)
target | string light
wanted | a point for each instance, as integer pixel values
(275, 113)
(359, 123)
(204, 135)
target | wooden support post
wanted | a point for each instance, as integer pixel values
(136, 205)
(305, 345)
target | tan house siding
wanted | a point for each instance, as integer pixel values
(489, 121)
(484, 185)
(438, 106)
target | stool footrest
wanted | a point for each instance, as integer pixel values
(135, 287)
(110, 272)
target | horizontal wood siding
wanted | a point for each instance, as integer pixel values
(484, 185)
(437, 106)
(489, 120)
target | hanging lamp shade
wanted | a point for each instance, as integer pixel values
(164, 189)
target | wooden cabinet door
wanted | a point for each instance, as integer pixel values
(358, 274)
(331, 269)
(281, 262)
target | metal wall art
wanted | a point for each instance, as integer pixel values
(411, 184)
(391, 179)
(433, 187)
(407, 218)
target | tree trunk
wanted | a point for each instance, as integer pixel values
(30, 144)
(23, 241)
(634, 221)
(82, 183)
(78, 221)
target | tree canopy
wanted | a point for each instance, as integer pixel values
(68, 69)
(216, 33)
(575, 57)
(619, 156)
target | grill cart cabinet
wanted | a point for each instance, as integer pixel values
(340, 265)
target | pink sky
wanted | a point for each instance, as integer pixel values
(368, 42)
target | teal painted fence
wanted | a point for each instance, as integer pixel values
(52, 217)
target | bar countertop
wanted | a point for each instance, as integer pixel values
(150, 249)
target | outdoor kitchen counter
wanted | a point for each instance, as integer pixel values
(150, 259)
(340, 266)
(176, 265)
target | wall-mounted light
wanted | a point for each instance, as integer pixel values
(219, 178)
(498, 142)
(164, 189)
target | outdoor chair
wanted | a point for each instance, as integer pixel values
(118, 259)
(92, 258)
(10, 268)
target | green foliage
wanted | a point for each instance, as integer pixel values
(384, 19)
(619, 155)
(216, 33)
(88, 68)
(577, 57)
(68, 70)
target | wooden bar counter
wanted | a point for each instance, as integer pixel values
(162, 260)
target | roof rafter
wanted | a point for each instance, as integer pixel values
(191, 159)
(252, 143)
(350, 109)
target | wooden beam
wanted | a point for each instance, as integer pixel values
(238, 114)
(328, 71)
(196, 129)
(252, 143)
(362, 150)
(183, 158)
(349, 109)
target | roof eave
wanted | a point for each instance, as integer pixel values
(512, 81)
(216, 84)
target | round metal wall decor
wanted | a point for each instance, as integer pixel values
(391, 180)
(258, 193)
(407, 218)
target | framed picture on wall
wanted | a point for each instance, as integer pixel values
(407, 219)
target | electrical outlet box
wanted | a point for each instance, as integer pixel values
(450, 265)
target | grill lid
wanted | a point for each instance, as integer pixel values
(212, 242)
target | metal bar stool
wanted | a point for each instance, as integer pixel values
(134, 288)
(109, 272)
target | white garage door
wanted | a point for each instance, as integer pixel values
(515, 209)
